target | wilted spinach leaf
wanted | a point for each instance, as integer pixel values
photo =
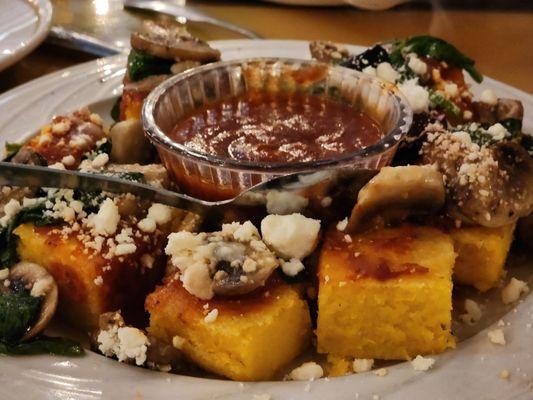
(44, 345)
(18, 311)
(142, 65)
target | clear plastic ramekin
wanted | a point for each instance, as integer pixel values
(212, 177)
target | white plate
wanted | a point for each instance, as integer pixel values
(469, 372)
(23, 26)
(364, 4)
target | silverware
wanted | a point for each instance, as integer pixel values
(21, 175)
(81, 41)
(187, 13)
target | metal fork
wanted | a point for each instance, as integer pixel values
(181, 11)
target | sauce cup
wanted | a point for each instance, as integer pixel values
(214, 177)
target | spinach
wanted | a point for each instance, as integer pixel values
(18, 311)
(438, 49)
(44, 345)
(513, 126)
(368, 58)
(115, 111)
(11, 150)
(142, 65)
(8, 241)
(436, 99)
(130, 176)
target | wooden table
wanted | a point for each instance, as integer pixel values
(501, 41)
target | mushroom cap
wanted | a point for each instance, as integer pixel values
(394, 194)
(42, 283)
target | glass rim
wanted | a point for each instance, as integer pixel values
(389, 139)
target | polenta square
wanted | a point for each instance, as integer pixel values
(247, 338)
(481, 254)
(385, 294)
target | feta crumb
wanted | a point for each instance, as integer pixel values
(178, 342)
(308, 371)
(61, 127)
(451, 90)
(496, 336)
(197, 281)
(4, 274)
(504, 374)
(98, 281)
(497, 131)
(292, 267)
(57, 165)
(362, 365)
(381, 372)
(125, 248)
(467, 114)
(105, 222)
(10, 210)
(283, 203)
(100, 160)
(473, 312)
(290, 236)
(488, 97)
(160, 213)
(133, 344)
(416, 95)
(347, 238)
(369, 70)
(246, 232)
(147, 225)
(385, 71)
(96, 119)
(211, 316)
(418, 66)
(422, 364)
(68, 160)
(341, 225)
(513, 290)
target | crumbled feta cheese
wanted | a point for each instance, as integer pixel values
(422, 363)
(467, 114)
(451, 90)
(308, 371)
(160, 213)
(497, 131)
(473, 312)
(68, 160)
(147, 225)
(369, 71)
(57, 165)
(418, 66)
(283, 203)
(61, 127)
(514, 289)
(96, 119)
(326, 201)
(464, 137)
(10, 210)
(497, 336)
(133, 344)
(249, 265)
(416, 95)
(362, 365)
(292, 267)
(341, 225)
(197, 281)
(98, 281)
(245, 232)
(290, 236)
(211, 316)
(105, 222)
(4, 274)
(125, 248)
(178, 342)
(100, 160)
(381, 372)
(488, 97)
(385, 71)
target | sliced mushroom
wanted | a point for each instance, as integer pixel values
(28, 156)
(509, 108)
(233, 281)
(129, 143)
(394, 194)
(182, 66)
(42, 284)
(508, 189)
(172, 42)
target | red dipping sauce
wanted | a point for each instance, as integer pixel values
(277, 128)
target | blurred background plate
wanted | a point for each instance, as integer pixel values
(364, 4)
(24, 24)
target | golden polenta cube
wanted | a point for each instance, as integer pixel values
(89, 284)
(248, 338)
(481, 254)
(385, 294)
